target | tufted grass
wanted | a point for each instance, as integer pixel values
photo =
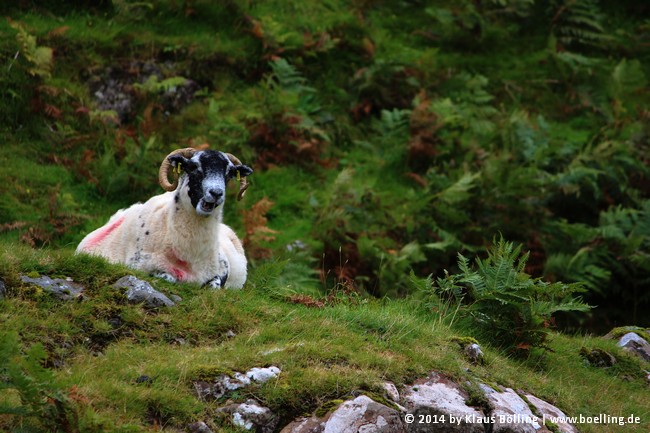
(350, 345)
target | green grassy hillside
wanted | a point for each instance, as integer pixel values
(387, 138)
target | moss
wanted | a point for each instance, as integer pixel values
(328, 407)
(475, 396)
(209, 372)
(464, 341)
(622, 330)
(552, 426)
(597, 357)
(379, 398)
(531, 406)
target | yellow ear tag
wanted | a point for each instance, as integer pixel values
(238, 176)
(178, 169)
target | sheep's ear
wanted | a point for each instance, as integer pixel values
(177, 160)
(244, 170)
(182, 162)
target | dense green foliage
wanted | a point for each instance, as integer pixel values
(430, 127)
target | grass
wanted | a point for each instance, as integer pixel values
(324, 353)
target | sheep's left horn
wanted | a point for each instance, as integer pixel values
(243, 184)
(163, 173)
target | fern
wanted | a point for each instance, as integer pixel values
(43, 402)
(509, 306)
(578, 24)
(40, 58)
(154, 86)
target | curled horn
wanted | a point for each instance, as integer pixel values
(243, 184)
(163, 173)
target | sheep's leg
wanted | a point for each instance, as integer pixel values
(165, 276)
(218, 282)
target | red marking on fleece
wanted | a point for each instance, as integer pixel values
(180, 269)
(102, 234)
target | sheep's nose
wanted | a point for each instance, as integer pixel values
(215, 194)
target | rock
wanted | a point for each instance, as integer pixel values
(223, 384)
(199, 427)
(510, 413)
(64, 290)
(262, 375)
(251, 415)
(474, 353)
(633, 343)
(306, 425)
(617, 333)
(144, 379)
(364, 415)
(361, 415)
(438, 396)
(3, 290)
(139, 291)
(391, 391)
(175, 298)
(597, 357)
(551, 413)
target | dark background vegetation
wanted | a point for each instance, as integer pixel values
(386, 136)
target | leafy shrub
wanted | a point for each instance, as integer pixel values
(512, 309)
(44, 403)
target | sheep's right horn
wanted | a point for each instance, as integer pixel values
(243, 184)
(163, 173)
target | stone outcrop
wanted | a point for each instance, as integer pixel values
(510, 412)
(62, 289)
(551, 413)
(437, 398)
(250, 415)
(438, 404)
(633, 343)
(141, 292)
(224, 384)
(360, 415)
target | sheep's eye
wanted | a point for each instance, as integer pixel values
(190, 167)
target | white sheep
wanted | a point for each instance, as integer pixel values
(179, 235)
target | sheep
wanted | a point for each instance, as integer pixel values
(179, 235)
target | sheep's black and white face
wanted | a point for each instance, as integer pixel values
(205, 179)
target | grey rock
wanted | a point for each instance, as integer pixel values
(199, 427)
(175, 298)
(118, 88)
(597, 357)
(3, 290)
(443, 399)
(251, 416)
(391, 391)
(64, 290)
(144, 379)
(474, 353)
(139, 291)
(511, 413)
(261, 375)
(364, 415)
(312, 424)
(551, 413)
(361, 415)
(224, 384)
(636, 345)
